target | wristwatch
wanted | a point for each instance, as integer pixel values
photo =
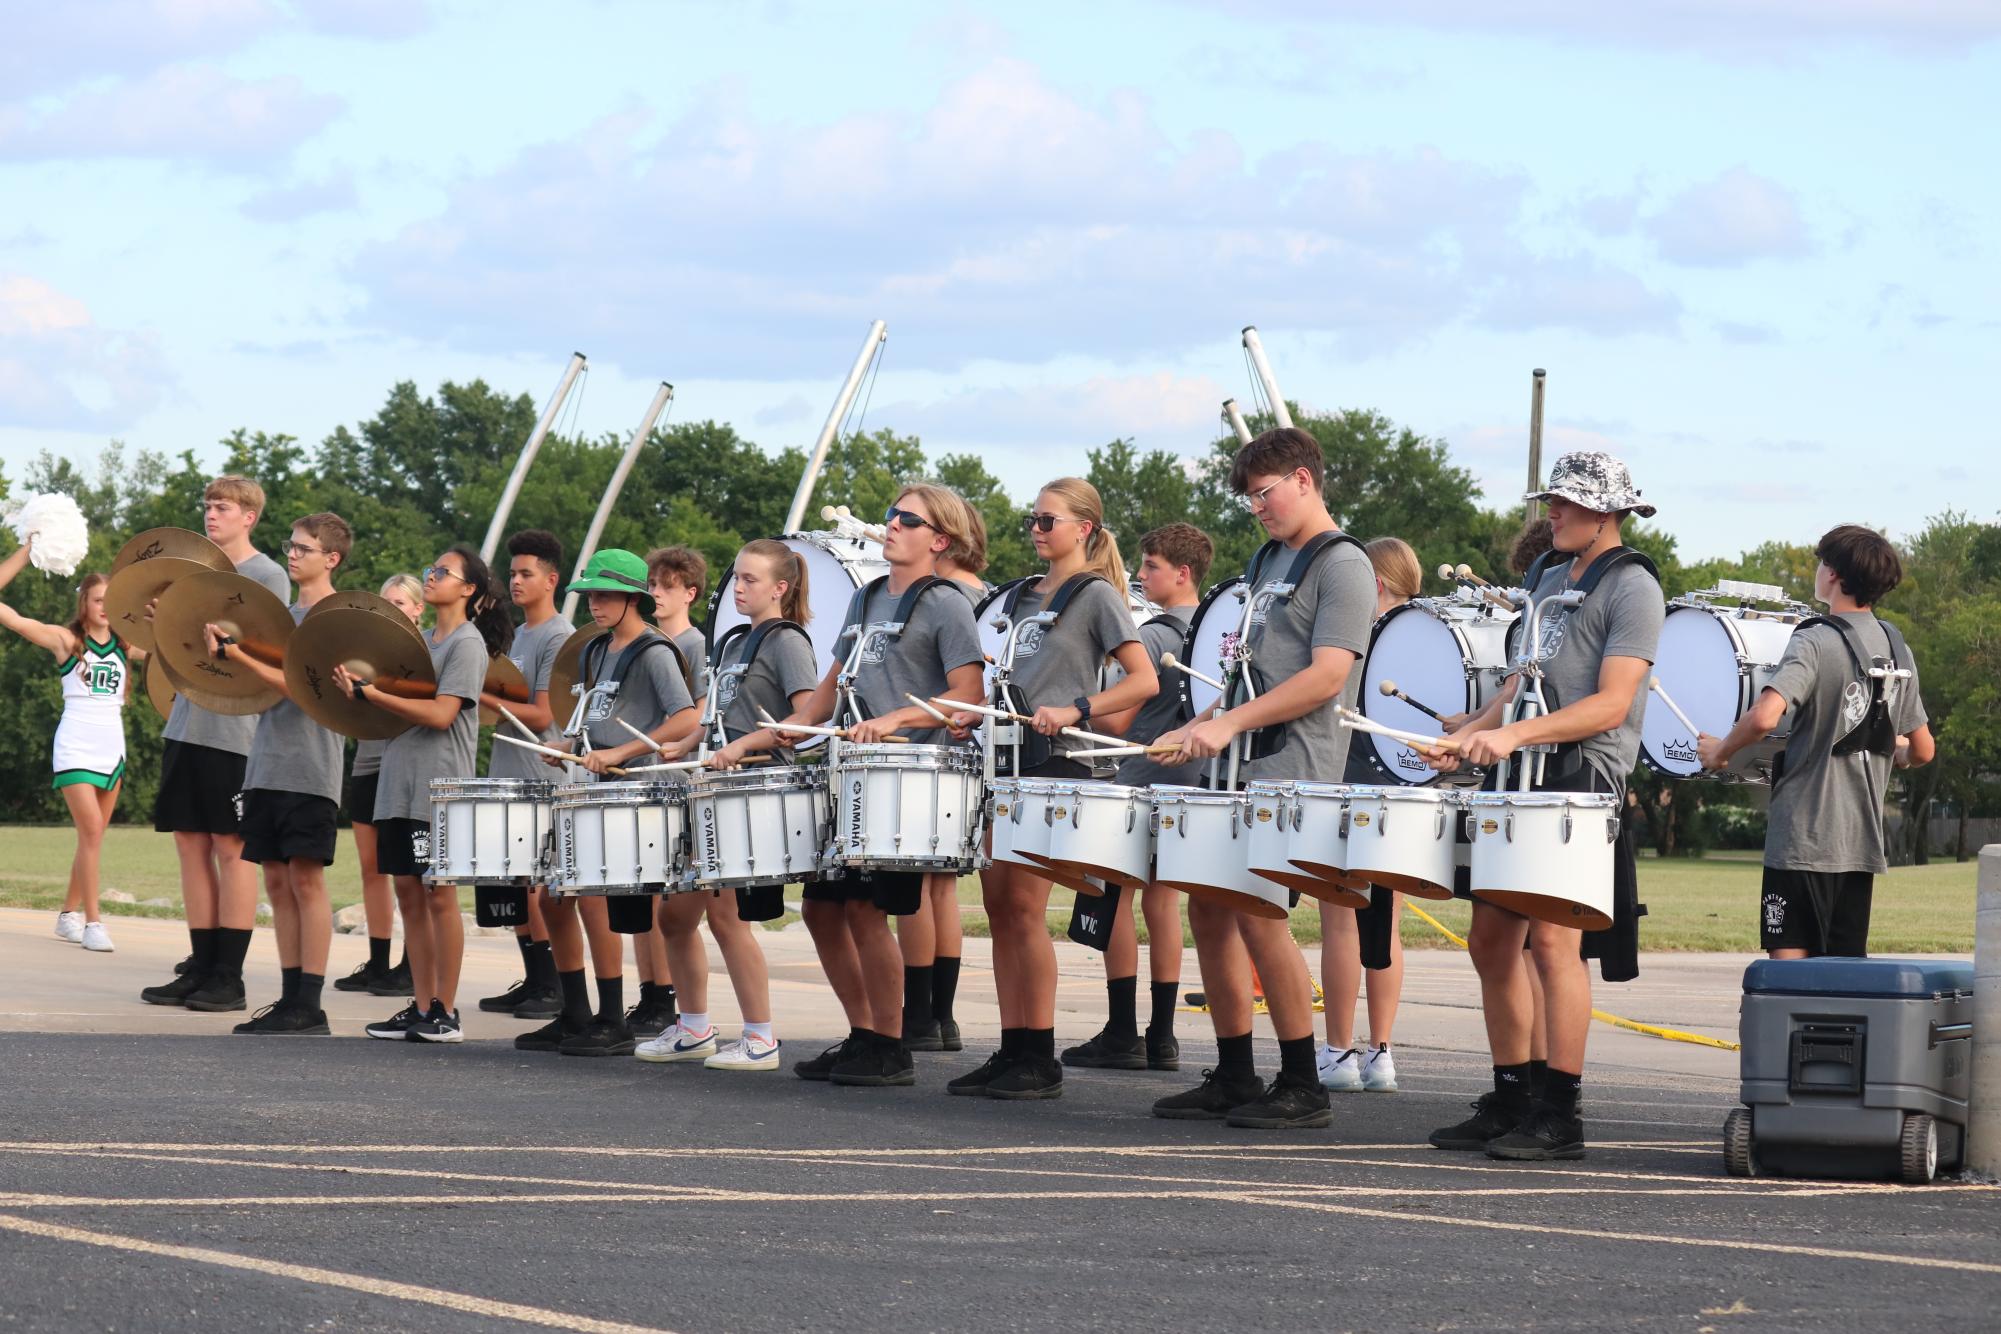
(1083, 706)
(358, 687)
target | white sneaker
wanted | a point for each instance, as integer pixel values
(96, 938)
(1379, 1071)
(69, 926)
(676, 1043)
(749, 1053)
(1340, 1071)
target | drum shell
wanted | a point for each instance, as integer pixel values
(489, 829)
(1319, 842)
(618, 838)
(906, 808)
(752, 827)
(1546, 855)
(1103, 830)
(1449, 654)
(1715, 678)
(1022, 825)
(1202, 847)
(1403, 839)
(1275, 827)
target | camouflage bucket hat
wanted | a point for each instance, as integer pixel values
(1595, 480)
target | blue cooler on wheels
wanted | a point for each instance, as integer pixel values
(1852, 1068)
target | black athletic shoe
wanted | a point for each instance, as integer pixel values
(1030, 1077)
(289, 1021)
(923, 1037)
(218, 994)
(397, 1026)
(1105, 1052)
(600, 1037)
(821, 1066)
(1287, 1105)
(261, 1021)
(175, 992)
(185, 966)
(364, 978)
(1544, 1135)
(652, 1016)
(882, 1063)
(948, 1036)
(549, 1037)
(1211, 1100)
(438, 1025)
(395, 982)
(1490, 1120)
(505, 1002)
(540, 1003)
(973, 1084)
(1162, 1051)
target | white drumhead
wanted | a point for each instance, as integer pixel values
(1218, 618)
(1416, 649)
(1697, 664)
(835, 568)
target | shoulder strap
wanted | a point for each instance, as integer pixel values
(631, 654)
(1593, 574)
(1256, 567)
(1303, 559)
(1011, 599)
(762, 632)
(908, 602)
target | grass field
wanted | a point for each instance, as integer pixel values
(1709, 904)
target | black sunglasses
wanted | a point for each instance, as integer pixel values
(906, 518)
(1046, 522)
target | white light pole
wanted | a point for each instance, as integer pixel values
(842, 402)
(1263, 368)
(1236, 419)
(527, 456)
(618, 476)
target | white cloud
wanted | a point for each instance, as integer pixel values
(60, 370)
(288, 203)
(186, 112)
(1159, 410)
(1736, 218)
(52, 45)
(1580, 292)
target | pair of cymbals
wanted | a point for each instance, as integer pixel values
(505, 681)
(160, 688)
(385, 650)
(145, 568)
(568, 670)
(251, 614)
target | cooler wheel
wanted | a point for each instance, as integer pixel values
(1919, 1148)
(1740, 1159)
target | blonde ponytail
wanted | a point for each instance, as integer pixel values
(783, 565)
(1101, 548)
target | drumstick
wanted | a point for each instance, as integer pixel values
(1169, 660)
(810, 730)
(691, 764)
(1464, 574)
(660, 746)
(1654, 683)
(1390, 688)
(1007, 716)
(1349, 718)
(927, 707)
(550, 751)
(1109, 752)
(526, 731)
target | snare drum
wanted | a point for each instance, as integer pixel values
(489, 829)
(906, 808)
(1715, 662)
(1202, 847)
(619, 838)
(1402, 838)
(756, 826)
(1443, 652)
(1101, 830)
(1275, 834)
(1546, 855)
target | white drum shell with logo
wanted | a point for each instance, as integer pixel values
(1102, 830)
(1277, 825)
(1403, 838)
(1212, 629)
(1714, 662)
(906, 808)
(618, 838)
(756, 826)
(1202, 847)
(1447, 654)
(489, 829)
(1546, 855)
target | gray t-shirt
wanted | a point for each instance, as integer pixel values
(784, 667)
(191, 723)
(1333, 607)
(938, 639)
(291, 752)
(1164, 633)
(1827, 809)
(1621, 619)
(1054, 664)
(652, 692)
(533, 651)
(367, 758)
(415, 756)
(694, 646)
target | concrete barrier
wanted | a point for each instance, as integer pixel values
(1983, 1147)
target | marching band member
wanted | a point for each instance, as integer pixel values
(1595, 659)
(1055, 675)
(89, 748)
(469, 627)
(768, 669)
(936, 653)
(1311, 602)
(1174, 561)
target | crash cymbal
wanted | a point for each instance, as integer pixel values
(227, 705)
(160, 689)
(133, 588)
(504, 679)
(385, 650)
(246, 610)
(182, 543)
(357, 600)
(567, 670)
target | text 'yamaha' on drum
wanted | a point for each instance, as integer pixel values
(1714, 661)
(756, 826)
(489, 829)
(906, 807)
(1445, 653)
(618, 838)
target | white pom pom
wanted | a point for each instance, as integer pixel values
(57, 528)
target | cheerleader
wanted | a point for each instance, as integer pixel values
(89, 752)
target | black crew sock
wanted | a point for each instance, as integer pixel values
(576, 998)
(1560, 1091)
(541, 963)
(1013, 1041)
(1165, 994)
(611, 999)
(1039, 1043)
(916, 998)
(944, 986)
(526, 944)
(403, 964)
(306, 991)
(1511, 1085)
(231, 947)
(288, 984)
(1233, 1060)
(1296, 1061)
(1538, 1076)
(202, 940)
(1121, 1000)
(663, 992)
(378, 954)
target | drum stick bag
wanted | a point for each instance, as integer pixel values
(500, 904)
(1268, 741)
(629, 914)
(1866, 722)
(1091, 918)
(760, 903)
(1373, 925)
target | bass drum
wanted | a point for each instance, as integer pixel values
(1445, 653)
(835, 567)
(1212, 629)
(1714, 662)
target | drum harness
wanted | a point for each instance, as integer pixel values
(1006, 733)
(606, 691)
(755, 635)
(1869, 697)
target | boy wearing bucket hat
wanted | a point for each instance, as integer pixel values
(1594, 659)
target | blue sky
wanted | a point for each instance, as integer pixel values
(1752, 240)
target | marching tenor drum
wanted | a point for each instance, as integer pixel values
(1021, 820)
(906, 808)
(751, 827)
(1402, 838)
(1277, 835)
(1446, 653)
(618, 838)
(1101, 830)
(1202, 847)
(489, 829)
(1714, 661)
(1318, 842)
(1546, 855)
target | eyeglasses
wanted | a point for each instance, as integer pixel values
(906, 518)
(1046, 522)
(443, 572)
(300, 549)
(1258, 499)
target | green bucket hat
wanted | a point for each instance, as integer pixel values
(616, 571)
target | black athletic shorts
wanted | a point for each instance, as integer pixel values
(281, 826)
(1821, 912)
(358, 800)
(201, 790)
(403, 847)
(897, 893)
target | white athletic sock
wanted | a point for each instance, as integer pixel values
(762, 1032)
(697, 1024)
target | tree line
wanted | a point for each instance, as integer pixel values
(427, 470)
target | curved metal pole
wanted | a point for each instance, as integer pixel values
(617, 484)
(527, 456)
(1236, 419)
(1265, 377)
(842, 402)
(1535, 442)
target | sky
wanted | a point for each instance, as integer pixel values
(1752, 241)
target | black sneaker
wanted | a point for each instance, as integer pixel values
(1105, 1052)
(175, 992)
(549, 1037)
(652, 1016)
(397, 1026)
(540, 1003)
(185, 966)
(923, 1037)
(364, 976)
(261, 1021)
(395, 982)
(438, 1025)
(1491, 1119)
(217, 994)
(1162, 1051)
(296, 1021)
(1287, 1105)
(505, 1002)
(600, 1037)
(973, 1084)
(948, 1036)
(1544, 1135)
(1212, 1099)
(1028, 1078)
(881, 1063)
(822, 1066)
